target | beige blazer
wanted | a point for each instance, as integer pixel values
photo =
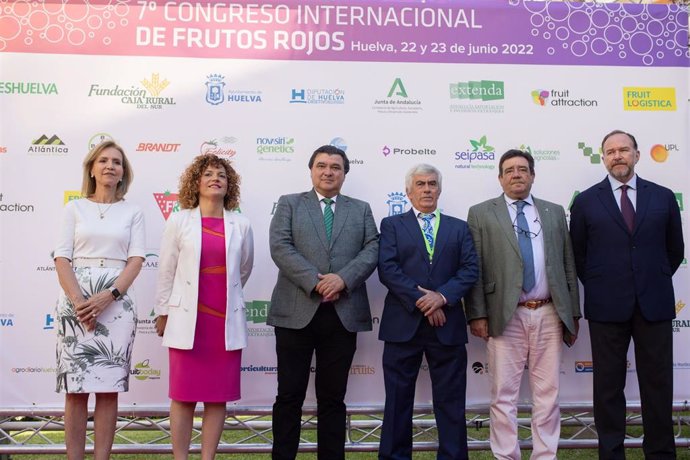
(178, 277)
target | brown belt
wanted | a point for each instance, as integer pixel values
(535, 303)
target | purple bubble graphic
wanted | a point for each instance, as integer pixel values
(558, 11)
(601, 18)
(641, 43)
(681, 38)
(579, 22)
(613, 34)
(598, 46)
(537, 20)
(562, 33)
(579, 48)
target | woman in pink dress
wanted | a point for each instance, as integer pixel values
(206, 257)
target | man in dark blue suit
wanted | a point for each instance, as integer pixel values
(628, 242)
(428, 263)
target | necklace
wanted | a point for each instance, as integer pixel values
(102, 212)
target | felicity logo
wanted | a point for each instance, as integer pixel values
(222, 147)
(649, 99)
(397, 203)
(167, 203)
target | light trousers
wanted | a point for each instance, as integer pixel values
(532, 338)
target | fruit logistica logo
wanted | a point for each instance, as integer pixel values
(317, 96)
(660, 152)
(397, 100)
(222, 147)
(649, 99)
(167, 203)
(69, 195)
(481, 156)
(560, 98)
(44, 145)
(397, 203)
(215, 92)
(146, 96)
(479, 94)
(27, 87)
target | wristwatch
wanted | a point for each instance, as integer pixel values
(115, 292)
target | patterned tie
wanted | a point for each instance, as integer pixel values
(627, 208)
(525, 243)
(428, 229)
(328, 217)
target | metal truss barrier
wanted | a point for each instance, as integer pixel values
(25, 431)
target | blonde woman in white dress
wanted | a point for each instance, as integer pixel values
(100, 251)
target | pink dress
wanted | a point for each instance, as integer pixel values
(208, 372)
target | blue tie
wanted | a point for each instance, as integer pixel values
(525, 243)
(428, 229)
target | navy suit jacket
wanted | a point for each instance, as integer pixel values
(619, 269)
(404, 264)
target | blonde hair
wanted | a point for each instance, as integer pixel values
(189, 182)
(88, 184)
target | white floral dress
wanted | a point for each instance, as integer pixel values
(98, 361)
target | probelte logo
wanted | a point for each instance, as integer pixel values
(641, 98)
(167, 203)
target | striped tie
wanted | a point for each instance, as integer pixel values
(328, 217)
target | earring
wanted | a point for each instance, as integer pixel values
(91, 176)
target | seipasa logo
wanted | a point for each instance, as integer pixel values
(27, 87)
(590, 152)
(44, 145)
(641, 98)
(275, 148)
(257, 311)
(660, 152)
(167, 203)
(477, 96)
(480, 156)
(397, 203)
(407, 151)
(397, 100)
(146, 96)
(69, 195)
(317, 96)
(157, 147)
(15, 207)
(144, 371)
(222, 147)
(584, 366)
(560, 98)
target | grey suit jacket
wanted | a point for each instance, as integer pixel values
(300, 249)
(496, 294)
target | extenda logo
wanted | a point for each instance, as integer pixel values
(649, 99)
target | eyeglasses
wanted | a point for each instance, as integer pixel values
(530, 234)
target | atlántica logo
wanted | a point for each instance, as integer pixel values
(44, 145)
(397, 203)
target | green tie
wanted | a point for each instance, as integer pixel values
(328, 217)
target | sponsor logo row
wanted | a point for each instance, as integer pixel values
(476, 96)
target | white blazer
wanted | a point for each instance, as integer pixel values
(178, 277)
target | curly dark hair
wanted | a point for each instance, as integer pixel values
(189, 182)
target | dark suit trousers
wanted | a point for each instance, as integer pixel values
(447, 368)
(654, 360)
(334, 346)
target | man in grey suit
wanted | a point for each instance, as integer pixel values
(525, 302)
(325, 246)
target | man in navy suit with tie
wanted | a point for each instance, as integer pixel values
(628, 242)
(428, 263)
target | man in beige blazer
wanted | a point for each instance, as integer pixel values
(524, 304)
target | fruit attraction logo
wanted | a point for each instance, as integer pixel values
(146, 94)
(480, 156)
(477, 96)
(648, 99)
(167, 203)
(560, 98)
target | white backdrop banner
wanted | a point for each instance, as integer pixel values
(393, 83)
